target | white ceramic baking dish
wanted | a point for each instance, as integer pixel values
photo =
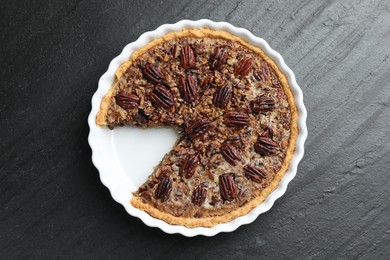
(125, 156)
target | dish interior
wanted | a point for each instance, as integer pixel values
(139, 150)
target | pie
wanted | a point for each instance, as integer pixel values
(234, 110)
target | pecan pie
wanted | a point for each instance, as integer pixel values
(236, 115)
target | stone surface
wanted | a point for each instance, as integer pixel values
(52, 202)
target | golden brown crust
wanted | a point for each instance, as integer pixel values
(212, 221)
(101, 115)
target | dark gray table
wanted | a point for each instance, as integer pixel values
(52, 202)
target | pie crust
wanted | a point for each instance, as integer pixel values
(209, 221)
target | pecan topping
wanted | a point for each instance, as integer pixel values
(153, 74)
(189, 165)
(265, 146)
(257, 75)
(236, 141)
(266, 71)
(262, 104)
(188, 88)
(264, 74)
(169, 119)
(125, 100)
(231, 154)
(244, 67)
(199, 196)
(227, 187)
(173, 51)
(254, 173)
(141, 118)
(161, 97)
(199, 127)
(218, 58)
(207, 81)
(236, 119)
(222, 96)
(187, 57)
(163, 189)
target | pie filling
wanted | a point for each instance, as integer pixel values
(233, 111)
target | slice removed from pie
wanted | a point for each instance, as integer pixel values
(234, 110)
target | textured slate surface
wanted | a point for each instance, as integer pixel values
(52, 202)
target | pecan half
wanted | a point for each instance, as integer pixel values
(161, 97)
(254, 173)
(262, 104)
(265, 146)
(163, 189)
(231, 154)
(199, 127)
(153, 74)
(276, 84)
(227, 187)
(264, 74)
(187, 57)
(173, 51)
(169, 119)
(244, 67)
(222, 96)
(236, 119)
(199, 196)
(187, 88)
(266, 71)
(218, 58)
(125, 100)
(190, 163)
